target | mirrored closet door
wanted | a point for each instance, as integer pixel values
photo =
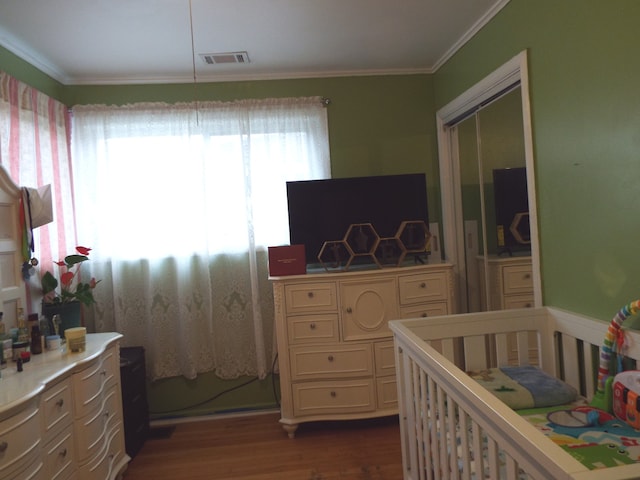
(489, 214)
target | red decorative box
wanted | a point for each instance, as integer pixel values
(287, 260)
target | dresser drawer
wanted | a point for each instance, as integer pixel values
(313, 328)
(387, 393)
(331, 361)
(425, 310)
(425, 287)
(91, 384)
(104, 465)
(311, 297)
(20, 439)
(59, 455)
(335, 397)
(56, 407)
(90, 433)
(518, 301)
(517, 279)
(385, 359)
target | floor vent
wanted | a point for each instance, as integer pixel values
(228, 57)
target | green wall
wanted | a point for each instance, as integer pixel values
(585, 106)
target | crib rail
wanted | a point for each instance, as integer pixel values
(453, 429)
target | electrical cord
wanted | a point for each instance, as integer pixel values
(219, 394)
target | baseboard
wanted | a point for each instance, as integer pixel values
(213, 416)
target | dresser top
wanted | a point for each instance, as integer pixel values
(47, 368)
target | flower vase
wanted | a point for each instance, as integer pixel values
(70, 314)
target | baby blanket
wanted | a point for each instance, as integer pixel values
(525, 387)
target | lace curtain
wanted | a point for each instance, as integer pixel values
(34, 149)
(179, 203)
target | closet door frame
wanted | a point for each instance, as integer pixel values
(503, 79)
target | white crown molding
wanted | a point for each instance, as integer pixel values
(10, 43)
(486, 18)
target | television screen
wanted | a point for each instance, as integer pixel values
(512, 209)
(322, 210)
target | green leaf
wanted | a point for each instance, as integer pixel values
(71, 260)
(49, 283)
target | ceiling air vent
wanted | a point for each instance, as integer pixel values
(228, 57)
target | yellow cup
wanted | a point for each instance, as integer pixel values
(76, 339)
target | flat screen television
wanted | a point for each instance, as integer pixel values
(322, 210)
(512, 210)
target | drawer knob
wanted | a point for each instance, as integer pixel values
(63, 452)
(349, 310)
(310, 294)
(330, 358)
(423, 285)
(424, 315)
(333, 394)
(60, 402)
(527, 276)
(312, 326)
(3, 447)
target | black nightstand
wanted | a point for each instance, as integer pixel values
(135, 408)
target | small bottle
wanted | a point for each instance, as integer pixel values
(36, 340)
(23, 331)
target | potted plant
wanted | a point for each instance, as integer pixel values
(66, 297)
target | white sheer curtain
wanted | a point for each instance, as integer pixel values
(179, 203)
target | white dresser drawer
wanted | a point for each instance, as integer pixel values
(331, 361)
(311, 297)
(56, 407)
(518, 301)
(424, 310)
(313, 328)
(19, 440)
(90, 433)
(424, 287)
(91, 384)
(517, 279)
(337, 397)
(35, 471)
(385, 359)
(387, 392)
(108, 460)
(59, 456)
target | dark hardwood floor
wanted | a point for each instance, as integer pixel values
(257, 448)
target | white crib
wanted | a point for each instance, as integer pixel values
(437, 399)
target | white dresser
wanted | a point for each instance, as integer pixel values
(335, 350)
(61, 418)
(510, 282)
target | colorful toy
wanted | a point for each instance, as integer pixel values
(613, 341)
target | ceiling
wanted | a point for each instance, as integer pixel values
(82, 42)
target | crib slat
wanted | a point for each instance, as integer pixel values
(492, 459)
(511, 468)
(425, 436)
(502, 349)
(523, 348)
(464, 446)
(442, 438)
(452, 438)
(475, 353)
(478, 460)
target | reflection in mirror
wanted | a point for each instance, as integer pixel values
(493, 178)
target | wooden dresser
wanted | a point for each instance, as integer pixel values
(335, 350)
(510, 282)
(61, 417)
